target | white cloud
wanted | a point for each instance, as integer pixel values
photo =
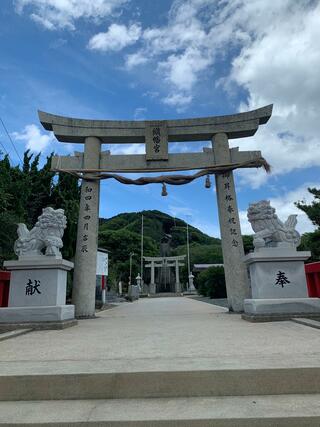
(279, 65)
(140, 113)
(127, 148)
(180, 48)
(58, 14)
(34, 139)
(266, 50)
(116, 38)
(178, 100)
(182, 70)
(284, 206)
(181, 211)
(135, 59)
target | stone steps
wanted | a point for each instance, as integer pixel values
(307, 322)
(254, 411)
(165, 384)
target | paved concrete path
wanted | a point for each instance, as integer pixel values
(162, 333)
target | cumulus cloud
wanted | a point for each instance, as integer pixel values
(264, 52)
(279, 65)
(127, 149)
(273, 56)
(179, 100)
(284, 205)
(58, 14)
(34, 139)
(140, 113)
(135, 59)
(116, 38)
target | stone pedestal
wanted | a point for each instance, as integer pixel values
(133, 292)
(191, 285)
(37, 291)
(177, 287)
(152, 288)
(278, 284)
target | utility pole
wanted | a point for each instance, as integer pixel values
(190, 275)
(141, 267)
(188, 250)
(131, 255)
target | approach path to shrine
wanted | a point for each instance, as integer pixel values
(161, 334)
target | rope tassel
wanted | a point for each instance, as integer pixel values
(164, 190)
(208, 182)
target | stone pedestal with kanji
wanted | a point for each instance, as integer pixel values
(38, 291)
(278, 284)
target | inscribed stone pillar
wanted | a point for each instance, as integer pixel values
(84, 280)
(237, 282)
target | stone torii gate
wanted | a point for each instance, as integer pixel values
(94, 164)
(158, 262)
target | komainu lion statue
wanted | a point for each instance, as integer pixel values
(45, 238)
(270, 231)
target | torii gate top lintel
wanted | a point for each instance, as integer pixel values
(67, 129)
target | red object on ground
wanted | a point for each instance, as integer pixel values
(103, 282)
(313, 279)
(4, 288)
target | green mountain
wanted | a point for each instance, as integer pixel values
(121, 235)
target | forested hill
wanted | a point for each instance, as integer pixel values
(156, 224)
(122, 235)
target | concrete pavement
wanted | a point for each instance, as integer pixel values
(163, 362)
(162, 333)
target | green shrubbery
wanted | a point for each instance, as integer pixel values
(211, 283)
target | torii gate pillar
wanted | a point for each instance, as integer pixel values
(236, 275)
(84, 280)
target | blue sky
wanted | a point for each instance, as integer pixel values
(134, 59)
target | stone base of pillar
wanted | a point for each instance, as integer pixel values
(178, 288)
(133, 292)
(268, 310)
(152, 288)
(56, 313)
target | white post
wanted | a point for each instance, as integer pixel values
(191, 285)
(120, 287)
(103, 296)
(84, 279)
(237, 282)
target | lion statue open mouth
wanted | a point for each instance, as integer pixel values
(269, 230)
(45, 238)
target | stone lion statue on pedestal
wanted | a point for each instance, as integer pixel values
(45, 238)
(270, 231)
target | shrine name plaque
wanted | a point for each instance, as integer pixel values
(156, 140)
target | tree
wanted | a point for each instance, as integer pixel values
(66, 195)
(247, 244)
(211, 283)
(25, 191)
(312, 210)
(311, 241)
